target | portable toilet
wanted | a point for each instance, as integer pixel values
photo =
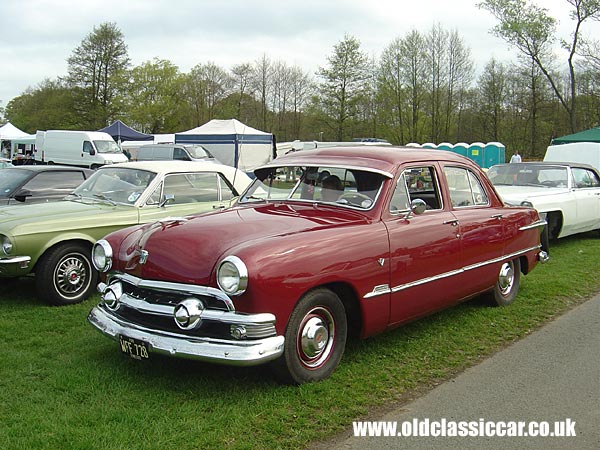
(475, 152)
(430, 145)
(493, 153)
(461, 148)
(445, 146)
(413, 144)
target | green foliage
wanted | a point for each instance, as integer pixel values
(63, 385)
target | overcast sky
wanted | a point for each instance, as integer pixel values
(38, 36)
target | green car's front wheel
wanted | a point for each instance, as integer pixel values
(65, 274)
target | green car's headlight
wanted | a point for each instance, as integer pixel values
(6, 245)
(232, 276)
(102, 255)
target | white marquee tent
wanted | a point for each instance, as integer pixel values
(231, 142)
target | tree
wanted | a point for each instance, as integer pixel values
(343, 85)
(492, 90)
(530, 30)
(155, 96)
(98, 68)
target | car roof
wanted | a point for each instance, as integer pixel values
(383, 159)
(549, 163)
(48, 168)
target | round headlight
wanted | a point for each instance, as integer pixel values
(232, 276)
(102, 255)
(6, 245)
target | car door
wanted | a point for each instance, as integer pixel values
(480, 226)
(424, 249)
(586, 189)
(192, 193)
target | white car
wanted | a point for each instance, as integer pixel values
(566, 194)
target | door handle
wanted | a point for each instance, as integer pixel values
(497, 216)
(453, 222)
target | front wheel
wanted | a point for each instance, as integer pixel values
(315, 338)
(507, 286)
(65, 275)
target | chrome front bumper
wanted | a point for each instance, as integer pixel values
(14, 267)
(231, 352)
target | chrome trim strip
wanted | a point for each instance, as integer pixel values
(276, 164)
(240, 353)
(180, 288)
(538, 224)
(378, 291)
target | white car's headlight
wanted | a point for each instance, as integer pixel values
(5, 245)
(102, 255)
(232, 276)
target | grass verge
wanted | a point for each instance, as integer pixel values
(63, 385)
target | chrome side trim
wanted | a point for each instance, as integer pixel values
(239, 353)
(378, 290)
(16, 260)
(540, 223)
(180, 288)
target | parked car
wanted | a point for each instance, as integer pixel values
(324, 244)
(54, 241)
(567, 195)
(39, 184)
(5, 162)
(162, 152)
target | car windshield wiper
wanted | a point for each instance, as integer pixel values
(105, 198)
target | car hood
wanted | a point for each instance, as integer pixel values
(187, 250)
(61, 216)
(514, 195)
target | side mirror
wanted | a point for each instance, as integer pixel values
(417, 207)
(22, 195)
(92, 152)
(169, 198)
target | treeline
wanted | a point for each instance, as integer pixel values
(423, 88)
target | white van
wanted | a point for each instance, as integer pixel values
(90, 149)
(167, 152)
(576, 152)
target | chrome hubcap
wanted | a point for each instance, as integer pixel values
(316, 337)
(70, 275)
(506, 278)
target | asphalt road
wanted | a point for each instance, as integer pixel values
(551, 375)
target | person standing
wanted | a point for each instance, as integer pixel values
(515, 158)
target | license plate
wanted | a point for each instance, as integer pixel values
(134, 348)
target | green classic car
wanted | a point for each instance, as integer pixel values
(54, 240)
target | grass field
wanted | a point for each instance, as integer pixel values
(65, 386)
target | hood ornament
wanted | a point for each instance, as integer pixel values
(144, 256)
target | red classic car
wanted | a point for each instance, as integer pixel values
(323, 245)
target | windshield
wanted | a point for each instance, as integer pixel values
(119, 185)
(11, 179)
(539, 175)
(198, 152)
(107, 147)
(332, 185)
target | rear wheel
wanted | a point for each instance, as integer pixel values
(64, 274)
(507, 286)
(315, 338)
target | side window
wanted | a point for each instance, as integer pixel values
(156, 196)
(87, 146)
(227, 192)
(180, 154)
(192, 187)
(422, 183)
(585, 178)
(400, 198)
(57, 181)
(465, 188)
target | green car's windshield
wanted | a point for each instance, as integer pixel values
(116, 185)
(107, 147)
(335, 185)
